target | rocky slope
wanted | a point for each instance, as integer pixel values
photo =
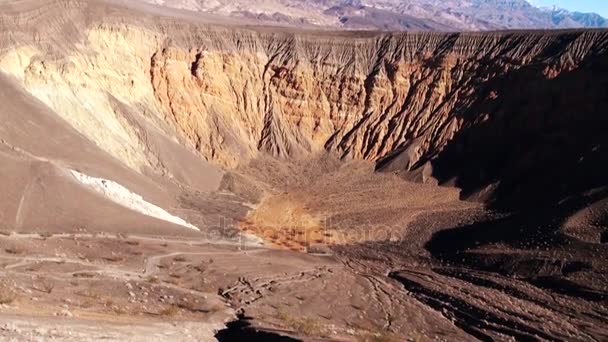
(465, 105)
(418, 15)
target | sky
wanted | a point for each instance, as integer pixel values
(597, 6)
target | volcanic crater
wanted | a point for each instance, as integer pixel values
(159, 167)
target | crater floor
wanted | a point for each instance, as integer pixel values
(372, 260)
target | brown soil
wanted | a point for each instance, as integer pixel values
(349, 154)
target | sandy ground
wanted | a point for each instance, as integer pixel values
(142, 286)
(66, 287)
(93, 280)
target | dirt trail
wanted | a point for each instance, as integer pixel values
(151, 262)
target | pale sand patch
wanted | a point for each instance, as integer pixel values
(124, 197)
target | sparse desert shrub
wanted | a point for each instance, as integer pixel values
(7, 298)
(111, 305)
(89, 294)
(194, 307)
(172, 281)
(14, 249)
(216, 307)
(45, 235)
(152, 280)
(180, 258)
(5, 230)
(84, 275)
(88, 303)
(44, 285)
(7, 295)
(169, 311)
(119, 310)
(306, 325)
(132, 243)
(376, 337)
(33, 268)
(114, 258)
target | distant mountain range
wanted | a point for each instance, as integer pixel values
(441, 15)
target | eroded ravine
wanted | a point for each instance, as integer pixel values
(231, 93)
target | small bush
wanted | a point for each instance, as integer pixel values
(44, 285)
(114, 258)
(152, 280)
(194, 307)
(45, 235)
(118, 310)
(169, 311)
(376, 337)
(307, 326)
(84, 275)
(7, 296)
(14, 249)
(89, 294)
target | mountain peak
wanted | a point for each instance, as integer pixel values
(415, 15)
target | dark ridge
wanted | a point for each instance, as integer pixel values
(537, 231)
(475, 279)
(569, 288)
(536, 228)
(604, 238)
(541, 136)
(471, 319)
(241, 330)
(195, 64)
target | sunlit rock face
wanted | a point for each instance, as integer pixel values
(232, 93)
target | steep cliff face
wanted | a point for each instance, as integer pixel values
(399, 99)
(544, 140)
(363, 98)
